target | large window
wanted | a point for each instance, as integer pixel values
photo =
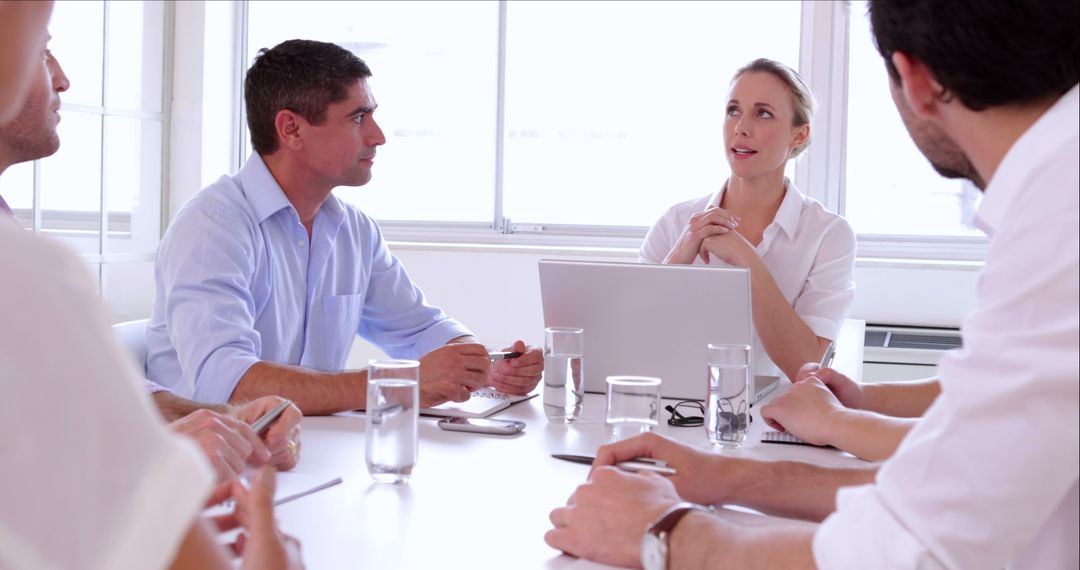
(583, 118)
(547, 113)
(102, 192)
(891, 188)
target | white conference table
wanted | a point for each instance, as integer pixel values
(476, 501)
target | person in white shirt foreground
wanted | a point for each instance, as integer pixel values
(221, 431)
(988, 477)
(801, 257)
(92, 478)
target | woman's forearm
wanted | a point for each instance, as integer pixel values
(787, 339)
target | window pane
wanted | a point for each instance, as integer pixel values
(433, 66)
(614, 109)
(77, 42)
(71, 182)
(890, 187)
(133, 184)
(135, 56)
(17, 188)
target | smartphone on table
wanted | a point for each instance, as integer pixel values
(476, 425)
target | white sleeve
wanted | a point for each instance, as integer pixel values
(982, 479)
(829, 290)
(92, 477)
(662, 236)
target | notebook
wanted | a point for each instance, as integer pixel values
(483, 403)
(650, 320)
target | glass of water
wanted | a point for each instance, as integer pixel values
(393, 416)
(564, 350)
(727, 417)
(633, 405)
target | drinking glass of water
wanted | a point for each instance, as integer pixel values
(727, 416)
(564, 351)
(633, 405)
(393, 415)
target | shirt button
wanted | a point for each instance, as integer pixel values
(300, 243)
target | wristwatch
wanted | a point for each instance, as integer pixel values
(654, 545)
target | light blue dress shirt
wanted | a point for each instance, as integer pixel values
(238, 281)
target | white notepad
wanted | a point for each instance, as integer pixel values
(483, 403)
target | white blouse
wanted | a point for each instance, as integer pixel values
(809, 251)
(91, 476)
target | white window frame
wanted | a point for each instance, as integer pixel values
(820, 172)
(72, 225)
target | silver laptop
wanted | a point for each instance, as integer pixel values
(650, 320)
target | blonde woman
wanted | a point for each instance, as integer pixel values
(800, 256)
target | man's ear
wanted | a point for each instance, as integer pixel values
(920, 88)
(288, 126)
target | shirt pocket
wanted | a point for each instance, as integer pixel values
(340, 322)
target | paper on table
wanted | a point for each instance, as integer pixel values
(483, 403)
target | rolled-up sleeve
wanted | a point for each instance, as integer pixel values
(204, 270)
(829, 289)
(396, 316)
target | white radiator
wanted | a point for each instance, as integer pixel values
(903, 353)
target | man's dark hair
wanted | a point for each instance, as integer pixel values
(302, 76)
(987, 53)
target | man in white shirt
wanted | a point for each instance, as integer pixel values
(222, 432)
(988, 477)
(91, 478)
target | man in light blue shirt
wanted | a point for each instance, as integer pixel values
(264, 278)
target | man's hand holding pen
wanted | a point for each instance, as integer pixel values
(521, 374)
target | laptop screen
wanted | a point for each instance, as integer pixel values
(648, 320)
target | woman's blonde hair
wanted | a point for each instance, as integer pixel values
(802, 99)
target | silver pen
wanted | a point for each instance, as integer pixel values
(633, 465)
(827, 358)
(268, 418)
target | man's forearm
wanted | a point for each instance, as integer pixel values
(315, 393)
(901, 399)
(173, 407)
(868, 435)
(791, 489)
(703, 541)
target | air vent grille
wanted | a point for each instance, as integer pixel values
(913, 340)
(876, 338)
(924, 341)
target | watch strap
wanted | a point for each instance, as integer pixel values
(663, 526)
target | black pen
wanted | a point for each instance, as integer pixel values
(263, 423)
(633, 466)
(493, 356)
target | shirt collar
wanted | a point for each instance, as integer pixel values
(260, 189)
(267, 198)
(1056, 126)
(787, 215)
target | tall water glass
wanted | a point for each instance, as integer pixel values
(633, 405)
(564, 352)
(727, 418)
(393, 416)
